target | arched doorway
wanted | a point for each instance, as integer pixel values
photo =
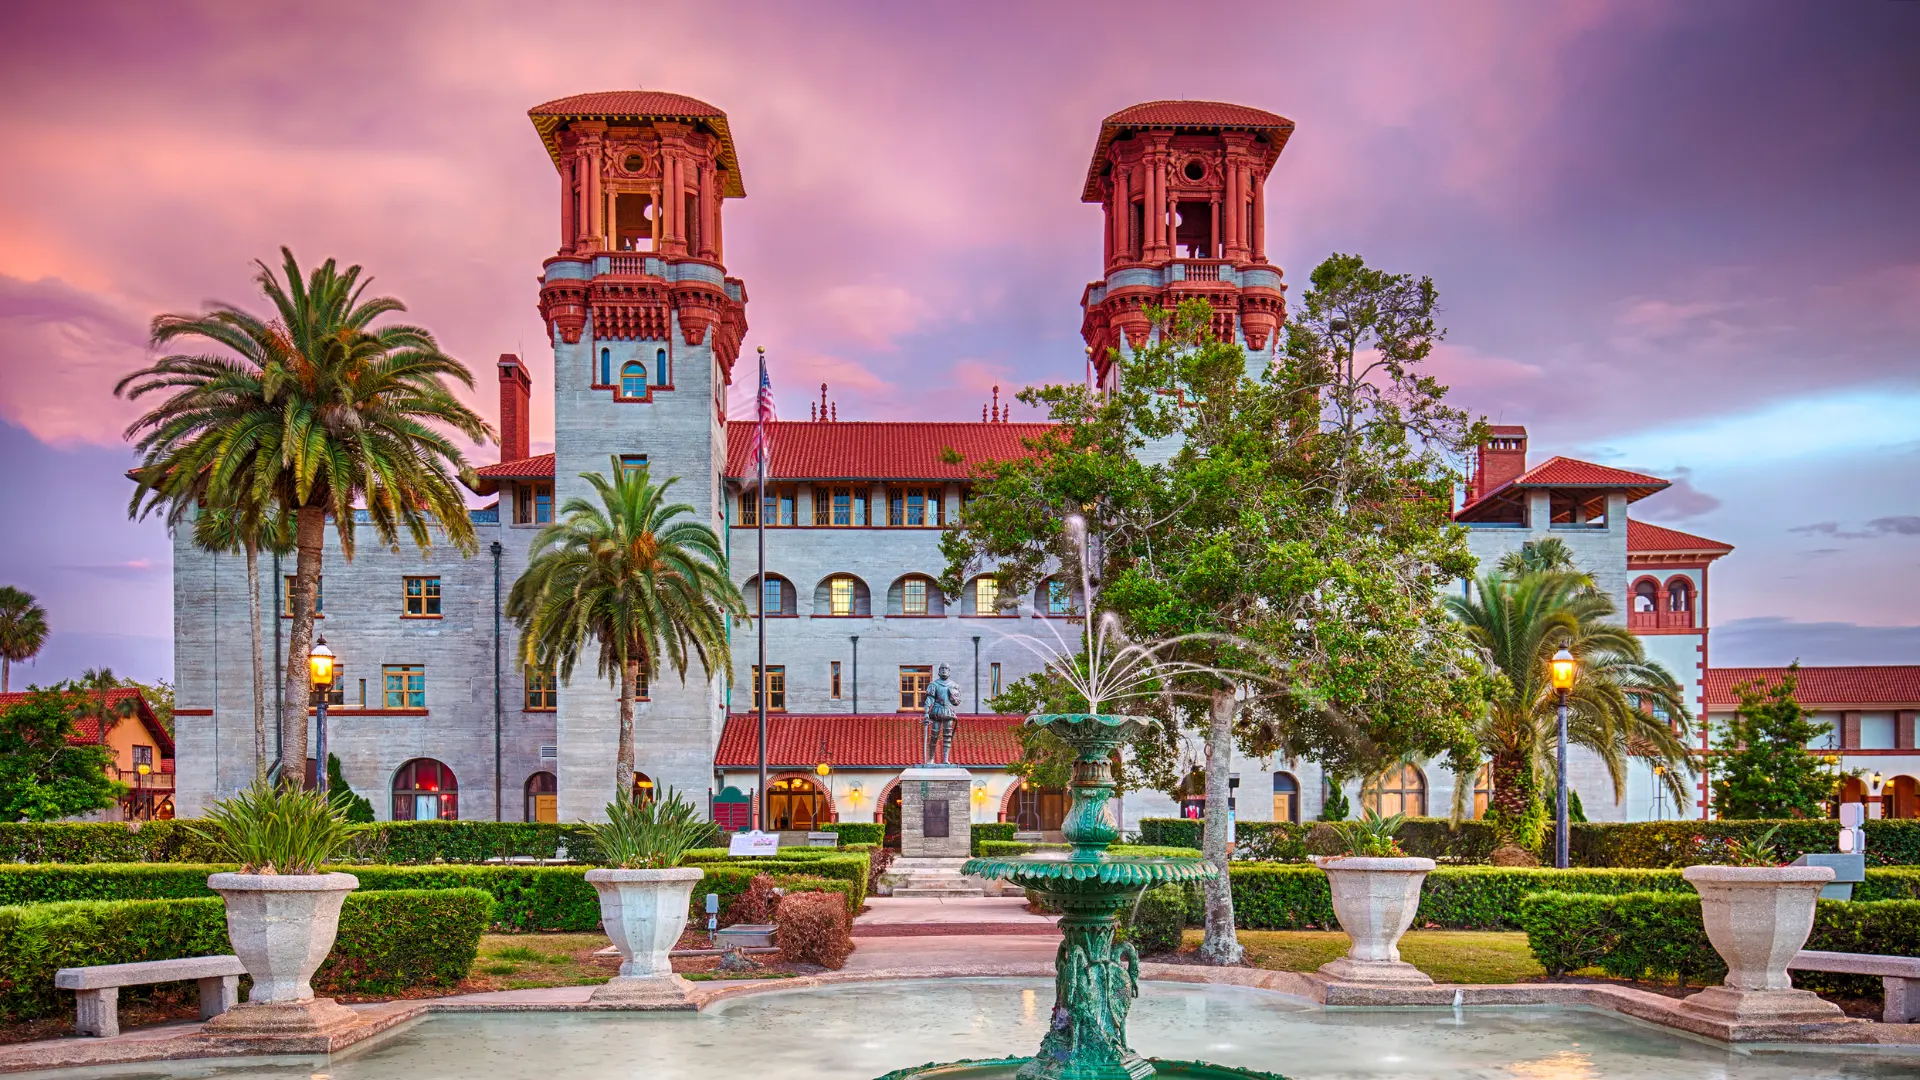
(890, 818)
(425, 790)
(1286, 798)
(1036, 809)
(642, 788)
(1853, 789)
(1901, 797)
(796, 804)
(543, 797)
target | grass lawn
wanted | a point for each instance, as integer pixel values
(1451, 956)
(525, 961)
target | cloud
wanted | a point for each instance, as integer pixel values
(129, 570)
(1681, 501)
(63, 348)
(1898, 525)
(1771, 641)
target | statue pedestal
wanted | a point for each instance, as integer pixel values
(936, 814)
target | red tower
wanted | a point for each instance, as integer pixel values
(642, 176)
(1182, 184)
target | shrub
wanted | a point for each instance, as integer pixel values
(754, 905)
(388, 942)
(838, 864)
(406, 842)
(1155, 923)
(857, 832)
(650, 834)
(273, 829)
(1890, 842)
(812, 928)
(992, 830)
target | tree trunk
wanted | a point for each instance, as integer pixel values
(1221, 945)
(6, 674)
(259, 663)
(623, 759)
(310, 523)
(1512, 784)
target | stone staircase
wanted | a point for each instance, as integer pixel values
(927, 877)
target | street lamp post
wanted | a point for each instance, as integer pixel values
(1562, 667)
(320, 667)
(140, 794)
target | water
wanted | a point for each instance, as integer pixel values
(858, 1032)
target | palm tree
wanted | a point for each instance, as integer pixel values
(310, 412)
(23, 630)
(632, 576)
(229, 530)
(1520, 623)
(1546, 555)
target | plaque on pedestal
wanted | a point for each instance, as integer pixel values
(935, 814)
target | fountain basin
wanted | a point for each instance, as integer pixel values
(1009, 1068)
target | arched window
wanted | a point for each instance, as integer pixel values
(1286, 797)
(424, 790)
(1646, 596)
(543, 793)
(773, 597)
(606, 367)
(662, 374)
(642, 788)
(633, 379)
(1482, 790)
(842, 594)
(916, 594)
(1399, 791)
(1680, 595)
(1055, 598)
(983, 597)
(795, 803)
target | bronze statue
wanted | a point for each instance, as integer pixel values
(941, 718)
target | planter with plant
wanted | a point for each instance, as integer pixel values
(1758, 914)
(644, 895)
(282, 910)
(1376, 891)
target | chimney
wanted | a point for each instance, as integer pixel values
(516, 400)
(1502, 457)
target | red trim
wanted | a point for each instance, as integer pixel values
(192, 712)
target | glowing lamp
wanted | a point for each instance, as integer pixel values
(143, 768)
(1562, 665)
(320, 664)
(979, 793)
(822, 769)
(1876, 778)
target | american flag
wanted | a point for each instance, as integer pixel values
(760, 450)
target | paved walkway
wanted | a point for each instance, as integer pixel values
(962, 916)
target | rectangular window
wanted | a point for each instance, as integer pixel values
(915, 507)
(777, 502)
(363, 693)
(986, 596)
(643, 683)
(913, 596)
(833, 680)
(840, 595)
(423, 597)
(543, 690)
(776, 686)
(822, 505)
(913, 686)
(337, 693)
(142, 755)
(534, 504)
(632, 463)
(993, 679)
(842, 506)
(1059, 598)
(406, 686)
(770, 598)
(749, 510)
(286, 598)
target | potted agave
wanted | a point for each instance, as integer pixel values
(1758, 914)
(1376, 890)
(644, 895)
(282, 910)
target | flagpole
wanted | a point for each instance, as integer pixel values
(760, 582)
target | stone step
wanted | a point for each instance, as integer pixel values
(939, 891)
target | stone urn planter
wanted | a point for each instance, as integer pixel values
(644, 913)
(1375, 899)
(1758, 917)
(282, 927)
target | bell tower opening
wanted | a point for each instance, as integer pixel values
(634, 217)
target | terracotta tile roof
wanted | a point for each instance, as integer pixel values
(863, 450)
(639, 105)
(87, 729)
(1508, 431)
(487, 478)
(1565, 472)
(877, 740)
(1886, 686)
(1658, 538)
(1185, 114)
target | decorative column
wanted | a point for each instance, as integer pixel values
(592, 135)
(1123, 213)
(1259, 217)
(1230, 245)
(568, 230)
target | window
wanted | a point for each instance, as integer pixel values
(1482, 790)
(337, 693)
(833, 680)
(993, 678)
(643, 788)
(841, 506)
(633, 379)
(1039, 809)
(425, 790)
(606, 367)
(914, 507)
(662, 374)
(913, 686)
(777, 502)
(543, 689)
(795, 803)
(842, 593)
(776, 681)
(534, 503)
(543, 797)
(1398, 791)
(632, 463)
(422, 598)
(913, 596)
(1059, 597)
(143, 755)
(775, 596)
(986, 596)
(1286, 797)
(406, 686)
(363, 689)
(286, 598)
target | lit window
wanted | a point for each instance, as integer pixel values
(142, 755)
(535, 503)
(986, 596)
(1399, 791)
(425, 790)
(840, 593)
(406, 686)
(843, 506)
(633, 379)
(543, 689)
(776, 685)
(286, 598)
(833, 680)
(423, 597)
(913, 596)
(631, 464)
(913, 686)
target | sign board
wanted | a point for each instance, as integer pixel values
(933, 819)
(754, 843)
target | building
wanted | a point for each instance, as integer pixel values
(143, 756)
(1869, 713)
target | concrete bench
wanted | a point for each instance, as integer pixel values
(1900, 975)
(97, 989)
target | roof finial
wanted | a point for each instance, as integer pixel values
(836, 412)
(999, 417)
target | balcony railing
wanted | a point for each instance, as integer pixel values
(1660, 620)
(1198, 269)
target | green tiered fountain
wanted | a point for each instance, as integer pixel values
(1095, 980)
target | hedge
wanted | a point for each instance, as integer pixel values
(992, 831)
(1284, 841)
(994, 848)
(1154, 923)
(857, 832)
(1272, 897)
(834, 864)
(388, 942)
(1660, 935)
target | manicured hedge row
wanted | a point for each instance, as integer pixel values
(383, 842)
(388, 941)
(1283, 841)
(992, 831)
(1659, 935)
(834, 864)
(87, 842)
(857, 832)
(1269, 897)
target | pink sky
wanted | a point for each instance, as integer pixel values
(1648, 224)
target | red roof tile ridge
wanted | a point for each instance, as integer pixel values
(1646, 536)
(623, 102)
